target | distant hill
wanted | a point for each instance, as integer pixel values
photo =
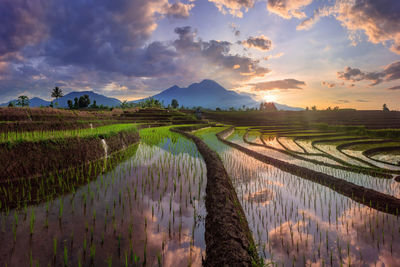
(33, 102)
(63, 101)
(209, 94)
(100, 99)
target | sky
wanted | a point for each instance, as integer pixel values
(301, 53)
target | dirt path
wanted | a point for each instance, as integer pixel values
(229, 241)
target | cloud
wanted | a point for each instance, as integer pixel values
(177, 10)
(379, 20)
(342, 101)
(233, 7)
(391, 72)
(278, 55)
(362, 100)
(278, 84)
(318, 13)
(260, 42)
(394, 88)
(111, 53)
(329, 84)
(288, 8)
(235, 29)
(22, 24)
(217, 54)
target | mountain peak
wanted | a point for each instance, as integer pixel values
(207, 81)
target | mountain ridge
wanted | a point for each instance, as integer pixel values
(206, 94)
(63, 101)
(198, 94)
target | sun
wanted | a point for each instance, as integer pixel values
(270, 98)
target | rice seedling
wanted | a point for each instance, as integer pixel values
(119, 191)
(291, 218)
(35, 136)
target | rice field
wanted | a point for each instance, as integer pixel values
(146, 210)
(35, 136)
(145, 205)
(296, 222)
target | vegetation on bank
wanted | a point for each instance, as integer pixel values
(35, 136)
(360, 130)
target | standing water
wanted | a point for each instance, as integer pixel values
(148, 210)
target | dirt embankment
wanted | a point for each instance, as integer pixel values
(29, 159)
(366, 196)
(228, 238)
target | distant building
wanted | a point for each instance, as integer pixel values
(268, 106)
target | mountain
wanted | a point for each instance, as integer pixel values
(100, 99)
(34, 102)
(209, 94)
(286, 107)
(63, 101)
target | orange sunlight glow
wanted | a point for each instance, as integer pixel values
(270, 98)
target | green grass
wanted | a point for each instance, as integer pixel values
(362, 147)
(360, 130)
(36, 136)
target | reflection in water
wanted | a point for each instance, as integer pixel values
(305, 223)
(378, 184)
(149, 210)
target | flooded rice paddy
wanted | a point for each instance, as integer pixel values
(149, 210)
(296, 222)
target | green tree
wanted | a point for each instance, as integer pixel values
(11, 104)
(57, 93)
(76, 103)
(84, 101)
(174, 103)
(124, 104)
(23, 101)
(94, 105)
(70, 104)
(314, 108)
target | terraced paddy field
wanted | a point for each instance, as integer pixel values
(161, 188)
(299, 222)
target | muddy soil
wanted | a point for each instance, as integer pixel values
(228, 238)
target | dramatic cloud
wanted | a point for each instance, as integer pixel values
(379, 20)
(217, 55)
(233, 7)
(21, 23)
(288, 8)
(278, 84)
(260, 42)
(391, 72)
(104, 44)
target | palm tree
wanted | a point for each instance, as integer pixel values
(23, 101)
(57, 93)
